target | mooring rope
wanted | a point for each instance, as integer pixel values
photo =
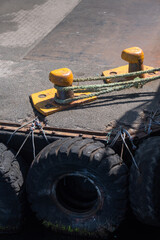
(104, 88)
(109, 85)
(115, 75)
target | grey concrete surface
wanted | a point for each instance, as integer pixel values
(87, 36)
(25, 23)
(97, 31)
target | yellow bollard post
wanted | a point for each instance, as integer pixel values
(45, 101)
(135, 57)
(62, 77)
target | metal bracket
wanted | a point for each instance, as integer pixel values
(44, 101)
(124, 70)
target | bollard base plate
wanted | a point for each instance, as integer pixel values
(44, 101)
(124, 70)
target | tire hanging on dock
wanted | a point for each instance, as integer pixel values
(144, 187)
(78, 186)
(12, 190)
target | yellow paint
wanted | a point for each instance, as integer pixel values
(133, 55)
(62, 77)
(121, 70)
(44, 101)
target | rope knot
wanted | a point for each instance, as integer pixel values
(33, 127)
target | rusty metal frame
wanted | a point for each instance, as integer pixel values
(54, 131)
(67, 132)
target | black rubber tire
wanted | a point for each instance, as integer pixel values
(12, 199)
(99, 166)
(144, 186)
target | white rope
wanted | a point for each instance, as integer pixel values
(133, 159)
(33, 145)
(122, 133)
(39, 125)
(152, 121)
(19, 129)
(25, 140)
(35, 124)
(32, 128)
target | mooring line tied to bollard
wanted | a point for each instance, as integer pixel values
(64, 95)
(100, 89)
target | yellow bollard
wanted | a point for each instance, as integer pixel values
(135, 57)
(62, 77)
(45, 101)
